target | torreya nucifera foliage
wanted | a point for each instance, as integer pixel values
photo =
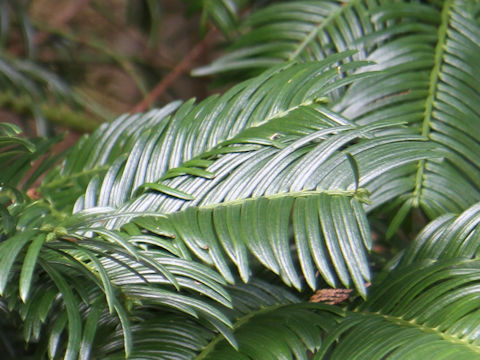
(326, 207)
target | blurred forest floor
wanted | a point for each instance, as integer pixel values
(121, 55)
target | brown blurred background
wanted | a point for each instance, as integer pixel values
(117, 55)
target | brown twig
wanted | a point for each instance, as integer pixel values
(330, 296)
(181, 67)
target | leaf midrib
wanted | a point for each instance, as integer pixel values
(412, 323)
(433, 84)
(316, 30)
(359, 194)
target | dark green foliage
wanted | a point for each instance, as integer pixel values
(200, 230)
